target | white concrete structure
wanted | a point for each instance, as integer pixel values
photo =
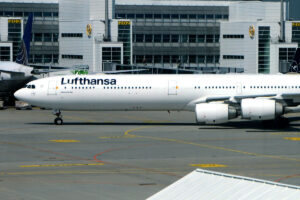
(240, 48)
(80, 46)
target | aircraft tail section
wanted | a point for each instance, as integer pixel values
(23, 54)
(296, 61)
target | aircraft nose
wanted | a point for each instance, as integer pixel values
(20, 94)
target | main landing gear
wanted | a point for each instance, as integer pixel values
(278, 123)
(58, 120)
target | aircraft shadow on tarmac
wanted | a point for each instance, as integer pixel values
(258, 125)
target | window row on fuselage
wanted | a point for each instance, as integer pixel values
(83, 88)
(215, 87)
(275, 87)
(251, 87)
(117, 88)
(128, 88)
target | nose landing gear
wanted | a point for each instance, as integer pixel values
(58, 120)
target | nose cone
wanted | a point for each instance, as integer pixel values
(20, 94)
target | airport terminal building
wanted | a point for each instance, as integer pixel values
(230, 36)
(44, 43)
(200, 34)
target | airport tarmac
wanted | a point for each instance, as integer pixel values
(132, 155)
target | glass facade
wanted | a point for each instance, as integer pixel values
(174, 17)
(14, 35)
(175, 36)
(287, 54)
(124, 35)
(196, 60)
(111, 54)
(4, 53)
(264, 40)
(296, 33)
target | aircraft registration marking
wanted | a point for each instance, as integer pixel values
(61, 165)
(207, 165)
(292, 138)
(64, 141)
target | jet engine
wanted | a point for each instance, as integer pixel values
(5, 76)
(261, 109)
(214, 113)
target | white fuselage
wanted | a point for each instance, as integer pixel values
(150, 92)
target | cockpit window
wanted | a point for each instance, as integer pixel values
(29, 86)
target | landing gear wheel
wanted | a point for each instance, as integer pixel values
(58, 121)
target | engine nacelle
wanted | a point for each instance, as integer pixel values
(5, 76)
(260, 109)
(214, 113)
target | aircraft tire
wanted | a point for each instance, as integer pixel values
(58, 121)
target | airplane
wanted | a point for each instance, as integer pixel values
(14, 75)
(215, 99)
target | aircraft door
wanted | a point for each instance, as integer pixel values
(52, 87)
(239, 88)
(172, 90)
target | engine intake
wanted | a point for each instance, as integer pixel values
(214, 113)
(261, 109)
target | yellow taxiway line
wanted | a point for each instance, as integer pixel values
(64, 141)
(207, 165)
(61, 165)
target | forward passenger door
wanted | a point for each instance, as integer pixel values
(172, 88)
(52, 87)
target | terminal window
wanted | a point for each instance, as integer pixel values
(111, 54)
(174, 17)
(296, 33)
(233, 36)
(234, 57)
(286, 54)
(14, 35)
(4, 53)
(72, 57)
(264, 40)
(72, 35)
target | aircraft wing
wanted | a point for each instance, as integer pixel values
(238, 98)
(12, 72)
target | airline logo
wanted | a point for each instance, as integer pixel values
(87, 81)
(89, 30)
(252, 31)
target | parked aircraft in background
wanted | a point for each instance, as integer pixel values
(14, 75)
